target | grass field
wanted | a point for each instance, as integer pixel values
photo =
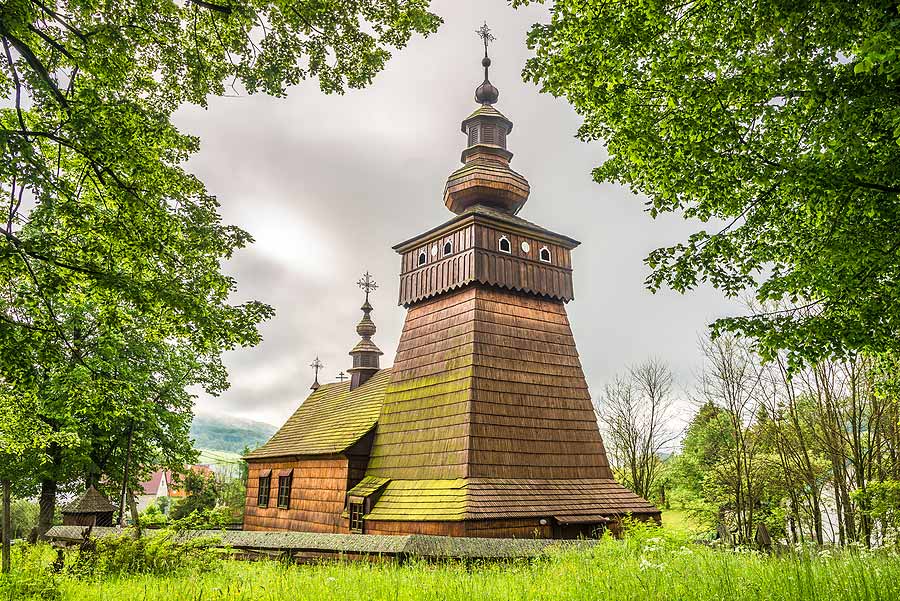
(648, 566)
(680, 521)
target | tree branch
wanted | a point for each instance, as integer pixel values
(35, 63)
(873, 186)
(225, 10)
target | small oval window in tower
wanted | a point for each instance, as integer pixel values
(526, 248)
(448, 248)
(423, 256)
(434, 250)
(504, 245)
(545, 254)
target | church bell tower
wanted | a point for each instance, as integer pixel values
(487, 426)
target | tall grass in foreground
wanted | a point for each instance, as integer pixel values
(646, 566)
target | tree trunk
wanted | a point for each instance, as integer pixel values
(7, 526)
(135, 518)
(47, 504)
(126, 475)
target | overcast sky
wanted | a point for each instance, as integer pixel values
(327, 184)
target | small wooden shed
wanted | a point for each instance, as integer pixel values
(90, 508)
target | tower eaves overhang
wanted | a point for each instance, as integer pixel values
(483, 214)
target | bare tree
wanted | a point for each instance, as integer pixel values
(732, 380)
(634, 413)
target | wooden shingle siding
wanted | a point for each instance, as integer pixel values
(317, 495)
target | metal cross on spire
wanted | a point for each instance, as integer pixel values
(341, 376)
(316, 365)
(368, 284)
(484, 32)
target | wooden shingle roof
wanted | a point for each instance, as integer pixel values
(484, 214)
(488, 416)
(90, 501)
(329, 421)
(568, 501)
(487, 384)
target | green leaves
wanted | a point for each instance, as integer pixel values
(777, 124)
(113, 303)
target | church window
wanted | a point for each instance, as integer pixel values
(526, 248)
(423, 256)
(504, 245)
(545, 254)
(448, 248)
(265, 487)
(356, 517)
(285, 479)
(434, 250)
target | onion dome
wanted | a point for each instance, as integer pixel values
(486, 93)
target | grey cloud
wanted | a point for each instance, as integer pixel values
(328, 184)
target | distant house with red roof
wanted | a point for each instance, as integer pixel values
(162, 483)
(156, 487)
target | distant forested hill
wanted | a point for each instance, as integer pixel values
(226, 433)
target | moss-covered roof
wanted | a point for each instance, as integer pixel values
(368, 486)
(570, 501)
(405, 500)
(329, 421)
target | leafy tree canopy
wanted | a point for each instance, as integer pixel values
(776, 123)
(112, 298)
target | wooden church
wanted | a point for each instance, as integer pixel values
(484, 425)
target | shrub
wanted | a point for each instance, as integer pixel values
(156, 554)
(153, 516)
(204, 519)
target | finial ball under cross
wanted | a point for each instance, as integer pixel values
(367, 283)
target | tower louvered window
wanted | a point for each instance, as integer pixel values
(487, 135)
(473, 134)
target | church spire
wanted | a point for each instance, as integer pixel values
(486, 178)
(365, 354)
